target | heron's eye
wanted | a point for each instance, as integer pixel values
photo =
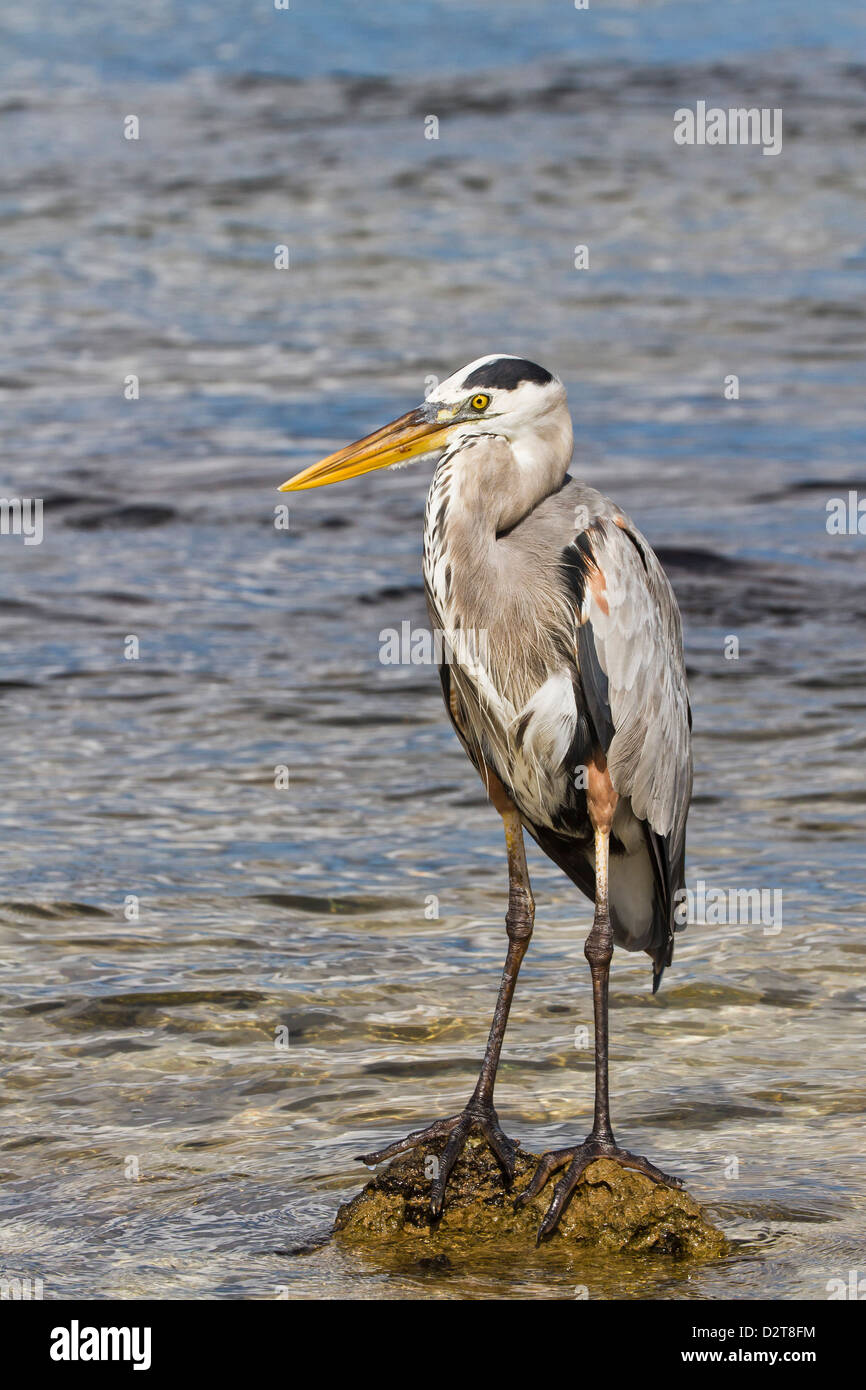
(480, 402)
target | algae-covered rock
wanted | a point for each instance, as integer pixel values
(612, 1209)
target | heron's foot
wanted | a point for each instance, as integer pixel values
(578, 1160)
(477, 1118)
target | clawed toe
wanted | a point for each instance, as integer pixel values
(480, 1119)
(549, 1164)
(578, 1160)
(483, 1121)
(643, 1165)
(438, 1130)
(504, 1148)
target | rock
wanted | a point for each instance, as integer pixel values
(613, 1209)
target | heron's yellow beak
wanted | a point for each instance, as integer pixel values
(415, 433)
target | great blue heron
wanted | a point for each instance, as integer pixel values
(563, 676)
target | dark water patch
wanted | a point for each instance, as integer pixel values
(54, 910)
(108, 1048)
(355, 906)
(417, 1067)
(391, 593)
(145, 1009)
(59, 501)
(703, 1115)
(116, 596)
(202, 1144)
(827, 827)
(362, 721)
(787, 998)
(855, 796)
(126, 671)
(826, 487)
(696, 561)
(132, 515)
(26, 606)
(705, 996)
(41, 1006)
(779, 1212)
(834, 681)
(27, 1141)
(412, 794)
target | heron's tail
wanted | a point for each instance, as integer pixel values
(663, 956)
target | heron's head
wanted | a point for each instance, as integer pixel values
(498, 395)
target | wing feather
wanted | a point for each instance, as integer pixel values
(630, 658)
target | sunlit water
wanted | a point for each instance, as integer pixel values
(151, 1046)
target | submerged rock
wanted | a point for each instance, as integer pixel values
(612, 1209)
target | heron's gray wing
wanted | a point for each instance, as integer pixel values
(630, 658)
(457, 715)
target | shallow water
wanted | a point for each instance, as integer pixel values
(307, 910)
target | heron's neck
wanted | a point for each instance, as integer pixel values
(541, 460)
(487, 484)
(483, 487)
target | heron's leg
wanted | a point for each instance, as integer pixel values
(480, 1115)
(598, 949)
(519, 921)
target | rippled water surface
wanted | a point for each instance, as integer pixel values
(148, 1045)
